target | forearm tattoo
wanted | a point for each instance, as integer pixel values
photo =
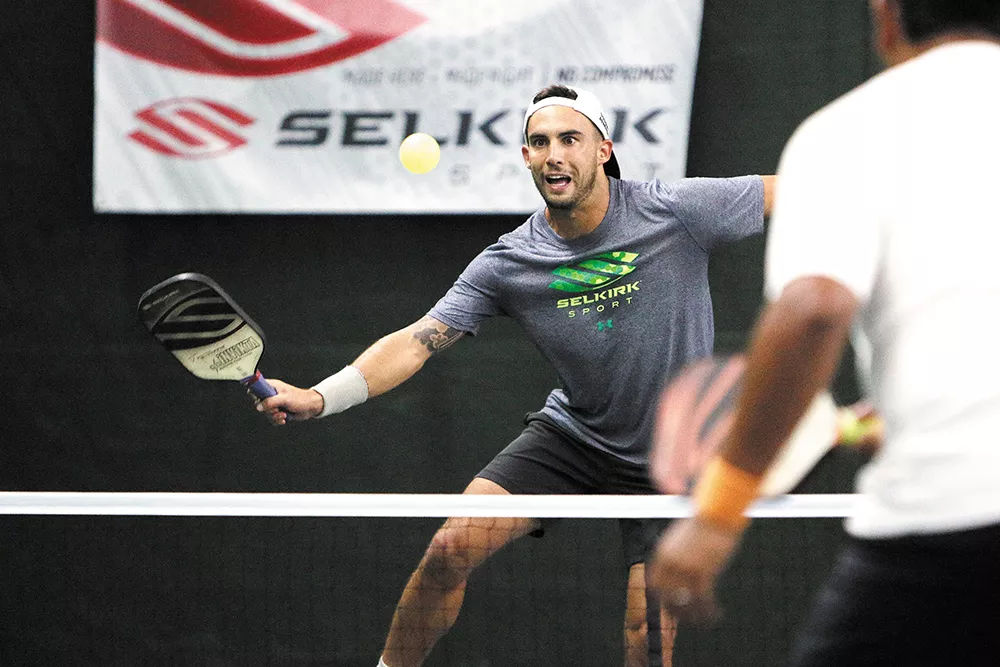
(436, 336)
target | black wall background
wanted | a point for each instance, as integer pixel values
(94, 405)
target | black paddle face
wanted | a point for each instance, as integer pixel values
(201, 325)
(187, 314)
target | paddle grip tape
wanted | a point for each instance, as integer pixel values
(258, 386)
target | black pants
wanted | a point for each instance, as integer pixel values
(927, 600)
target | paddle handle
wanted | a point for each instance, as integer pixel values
(259, 386)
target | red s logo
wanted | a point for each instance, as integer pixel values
(250, 37)
(190, 128)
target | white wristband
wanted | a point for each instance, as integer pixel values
(344, 389)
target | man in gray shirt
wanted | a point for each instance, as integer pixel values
(610, 281)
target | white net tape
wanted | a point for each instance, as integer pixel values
(401, 505)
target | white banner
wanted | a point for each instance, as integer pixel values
(271, 106)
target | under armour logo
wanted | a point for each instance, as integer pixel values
(604, 324)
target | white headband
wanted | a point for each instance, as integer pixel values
(585, 103)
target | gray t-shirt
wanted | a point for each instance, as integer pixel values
(619, 310)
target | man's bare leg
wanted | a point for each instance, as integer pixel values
(636, 623)
(433, 596)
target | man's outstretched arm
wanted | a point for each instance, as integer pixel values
(396, 357)
(388, 363)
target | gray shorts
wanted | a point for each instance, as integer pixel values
(544, 459)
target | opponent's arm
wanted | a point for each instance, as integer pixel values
(389, 362)
(793, 354)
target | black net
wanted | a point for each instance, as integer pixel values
(166, 590)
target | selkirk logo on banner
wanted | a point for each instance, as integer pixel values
(243, 38)
(191, 128)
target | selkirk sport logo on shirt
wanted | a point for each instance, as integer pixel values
(594, 277)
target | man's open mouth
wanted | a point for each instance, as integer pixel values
(558, 182)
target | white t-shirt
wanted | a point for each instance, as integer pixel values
(894, 191)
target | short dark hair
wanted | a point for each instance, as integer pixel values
(555, 90)
(927, 19)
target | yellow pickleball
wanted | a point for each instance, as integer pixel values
(419, 153)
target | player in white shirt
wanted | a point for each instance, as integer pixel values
(886, 218)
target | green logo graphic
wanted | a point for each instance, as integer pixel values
(594, 272)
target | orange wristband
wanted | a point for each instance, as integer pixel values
(724, 492)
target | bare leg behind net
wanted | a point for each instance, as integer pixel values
(639, 650)
(433, 596)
